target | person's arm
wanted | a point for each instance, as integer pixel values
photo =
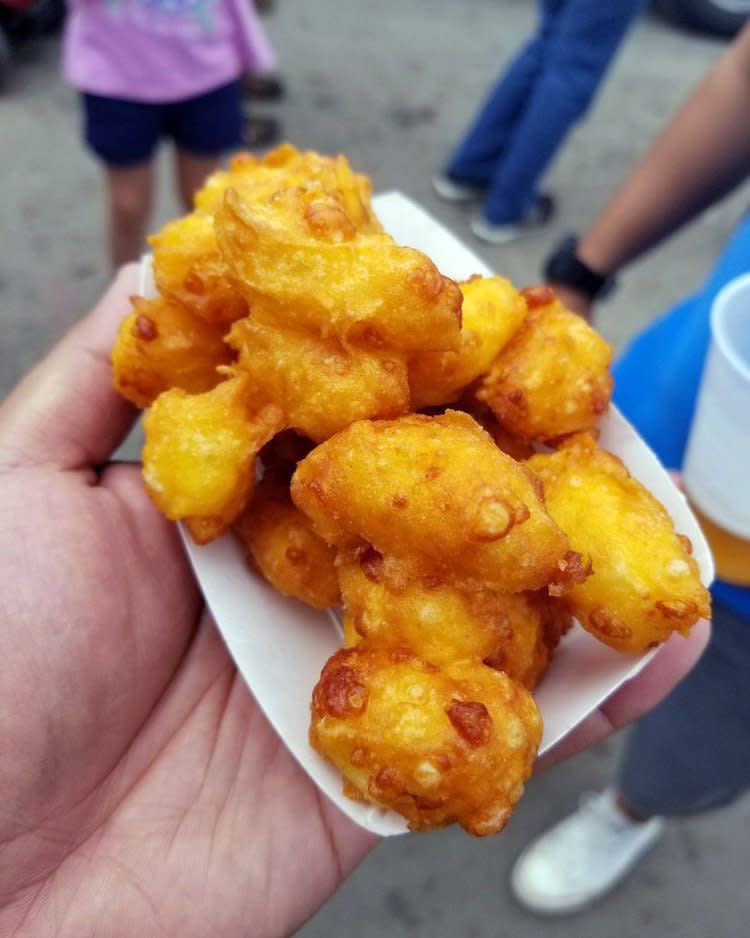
(702, 153)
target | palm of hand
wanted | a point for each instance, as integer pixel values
(135, 762)
(142, 792)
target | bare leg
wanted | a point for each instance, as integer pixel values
(130, 195)
(191, 174)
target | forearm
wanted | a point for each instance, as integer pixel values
(700, 156)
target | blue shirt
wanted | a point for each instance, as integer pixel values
(658, 375)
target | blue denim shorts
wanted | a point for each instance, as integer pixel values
(124, 133)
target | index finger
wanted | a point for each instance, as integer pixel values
(66, 413)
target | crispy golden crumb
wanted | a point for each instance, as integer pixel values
(437, 494)
(282, 545)
(644, 584)
(552, 378)
(491, 313)
(199, 456)
(438, 745)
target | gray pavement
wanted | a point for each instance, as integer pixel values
(392, 84)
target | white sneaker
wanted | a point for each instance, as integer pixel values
(582, 857)
(452, 191)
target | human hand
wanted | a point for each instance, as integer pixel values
(142, 790)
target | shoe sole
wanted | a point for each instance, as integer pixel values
(451, 192)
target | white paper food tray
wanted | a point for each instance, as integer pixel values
(280, 645)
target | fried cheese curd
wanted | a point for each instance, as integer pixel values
(491, 313)
(436, 494)
(188, 266)
(515, 633)
(334, 311)
(644, 584)
(440, 746)
(200, 452)
(282, 546)
(552, 379)
(162, 345)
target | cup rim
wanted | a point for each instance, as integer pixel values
(719, 304)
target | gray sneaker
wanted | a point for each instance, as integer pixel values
(541, 211)
(582, 857)
(450, 190)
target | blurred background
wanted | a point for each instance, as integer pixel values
(392, 84)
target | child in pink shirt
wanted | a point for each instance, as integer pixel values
(149, 69)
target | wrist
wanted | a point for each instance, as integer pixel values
(567, 266)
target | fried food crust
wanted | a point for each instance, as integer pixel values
(436, 494)
(440, 746)
(281, 544)
(189, 269)
(199, 455)
(552, 379)
(491, 312)
(645, 584)
(514, 633)
(162, 345)
(320, 385)
(303, 252)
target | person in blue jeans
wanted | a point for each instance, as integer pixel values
(523, 122)
(692, 753)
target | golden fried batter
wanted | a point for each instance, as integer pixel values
(437, 494)
(303, 252)
(161, 345)
(439, 746)
(534, 624)
(189, 268)
(199, 456)
(491, 313)
(320, 386)
(261, 177)
(552, 378)
(515, 633)
(645, 584)
(282, 545)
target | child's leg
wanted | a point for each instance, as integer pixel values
(203, 128)
(130, 196)
(124, 136)
(192, 170)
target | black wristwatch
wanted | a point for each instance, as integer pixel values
(564, 266)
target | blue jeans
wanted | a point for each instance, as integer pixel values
(692, 753)
(546, 89)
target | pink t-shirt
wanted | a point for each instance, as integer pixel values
(162, 50)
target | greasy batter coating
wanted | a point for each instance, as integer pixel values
(320, 386)
(534, 624)
(437, 494)
(508, 442)
(552, 378)
(645, 584)
(515, 633)
(491, 313)
(189, 268)
(282, 545)
(260, 177)
(161, 345)
(440, 746)
(303, 252)
(199, 456)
